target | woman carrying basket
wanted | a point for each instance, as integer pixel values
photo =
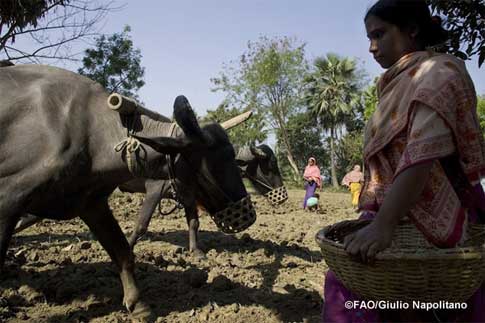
(423, 152)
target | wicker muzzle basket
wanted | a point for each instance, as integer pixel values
(277, 196)
(411, 269)
(236, 217)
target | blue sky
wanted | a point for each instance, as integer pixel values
(185, 43)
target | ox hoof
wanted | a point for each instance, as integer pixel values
(130, 300)
(198, 254)
(141, 313)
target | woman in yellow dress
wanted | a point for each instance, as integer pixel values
(353, 180)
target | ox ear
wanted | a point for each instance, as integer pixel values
(167, 145)
(185, 118)
(258, 152)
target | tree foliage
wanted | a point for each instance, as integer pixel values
(349, 152)
(22, 13)
(50, 26)
(115, 64)
(252, 131)
(269, 78)
(465, 20)
(370, 100)
(355, 121)
(306, 138)
(481, 111)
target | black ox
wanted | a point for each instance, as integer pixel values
(57, 159)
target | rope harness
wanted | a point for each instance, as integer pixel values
(200, 175)
(276, 196)
(236, 217)
(244, 173)
(129, 148)
(171, 178)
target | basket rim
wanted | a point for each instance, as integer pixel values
(462, 253)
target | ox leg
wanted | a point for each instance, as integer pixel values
(7, 225)
(193, 222)
(153, 196)
(101, 222)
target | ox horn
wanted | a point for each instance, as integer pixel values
(228, 124)
(122, 104)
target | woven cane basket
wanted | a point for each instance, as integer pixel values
(277, 196)
(411, 269)
(237, 217)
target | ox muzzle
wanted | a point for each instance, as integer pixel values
(277, 196)
(237, 217)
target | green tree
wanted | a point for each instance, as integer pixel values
(481, 112)
(269, 78)
(250, 132)
(349, 152)
(466, 22)
(115, 64)
(22, 13)
(306, 138)
(49, 25)
(370, 99)
(332, 95)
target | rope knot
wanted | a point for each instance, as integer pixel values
(130, 145)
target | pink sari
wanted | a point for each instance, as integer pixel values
(312, 181)
(426, 112)
(313, 173)
(354, 176)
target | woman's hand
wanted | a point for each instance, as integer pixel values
(403, 195)
(365, 243)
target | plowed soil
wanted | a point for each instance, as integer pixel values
(272, 272)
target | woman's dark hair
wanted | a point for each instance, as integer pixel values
(408, 13)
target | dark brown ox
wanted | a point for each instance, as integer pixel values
(57, 159)
(258, 164)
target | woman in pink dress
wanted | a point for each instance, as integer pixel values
(312, 179)
(423, 153)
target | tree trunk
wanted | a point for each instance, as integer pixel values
(332, 158)
(291, 160)
(289, 154)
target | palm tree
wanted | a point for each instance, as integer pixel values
(370, 99)
(332, 93)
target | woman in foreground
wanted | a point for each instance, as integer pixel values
(423, 152)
